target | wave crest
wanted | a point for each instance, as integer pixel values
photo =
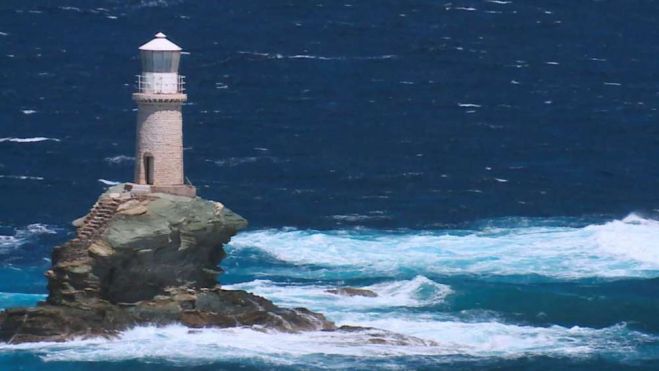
(617, 249)
(180, 345)
(417, 292)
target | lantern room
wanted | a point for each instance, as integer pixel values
(160, 62)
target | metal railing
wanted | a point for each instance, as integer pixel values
(160, 85)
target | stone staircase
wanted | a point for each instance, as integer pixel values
(71, 275)
(97, 219)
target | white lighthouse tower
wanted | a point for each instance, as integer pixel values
(160, 95)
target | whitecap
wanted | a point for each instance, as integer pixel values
(182, 346)
(22, 177)
(316, 57)
(495, 339)
(157, 3)
(28, 140)
(115, 160)
(355, 218)
(417, 292)
(24, 235)
(108, 182)
(632, 238)
(39, 228)
(71, 8)
(237, 161)
(618, 249)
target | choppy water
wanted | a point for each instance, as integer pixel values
(487, 167)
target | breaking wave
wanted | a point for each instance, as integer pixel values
(416, 292)
(23, 235)
(181, 345)
(617, 249)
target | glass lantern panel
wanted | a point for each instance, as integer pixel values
(160, 61)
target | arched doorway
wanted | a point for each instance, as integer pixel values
(148, 168)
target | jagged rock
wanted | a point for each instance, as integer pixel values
(193, 308)
(351, 291)
(78, 222)
(383, 337)
(101, 248)
(146, 259)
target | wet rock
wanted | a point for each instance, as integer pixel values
(351, 291)
(146, 259)
(377, 336)
(152, 259)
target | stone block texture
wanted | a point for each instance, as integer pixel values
(160, 135)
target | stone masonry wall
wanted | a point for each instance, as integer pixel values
(160, 134)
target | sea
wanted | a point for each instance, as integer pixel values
(487, 167)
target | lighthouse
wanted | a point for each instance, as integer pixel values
(159, 141)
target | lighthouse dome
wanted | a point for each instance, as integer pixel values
(161, 44)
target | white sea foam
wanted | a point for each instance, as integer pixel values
(21, 177)
(115, 160)
(38, 228)
(355, 218)
(315, 57)
(498, 2)
(236, 161)
(183, 346)
(621, 248)
(416, 292)
(24, 235)
(71, 8)
(108, 182)
(28, 140)
(157, 3)
(496, 339)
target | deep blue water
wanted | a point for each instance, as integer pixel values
(488, 167)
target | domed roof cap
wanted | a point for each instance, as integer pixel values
(160, 43)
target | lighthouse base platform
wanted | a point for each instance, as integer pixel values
(185, 190)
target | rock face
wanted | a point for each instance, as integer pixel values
(146, 258)
(351, 291)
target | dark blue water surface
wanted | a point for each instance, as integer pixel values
(505, 151)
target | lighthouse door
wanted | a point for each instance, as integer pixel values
(148, 169)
